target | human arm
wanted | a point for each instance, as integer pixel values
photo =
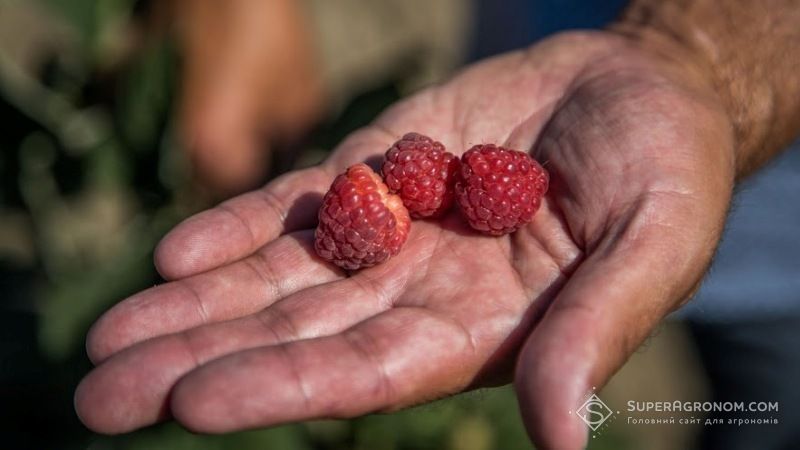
(748, 49)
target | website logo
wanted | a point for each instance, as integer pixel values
(594, 412)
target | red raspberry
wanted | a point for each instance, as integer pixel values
(500, 189)
(422, 173)
(360, 223)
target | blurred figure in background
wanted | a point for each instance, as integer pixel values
(251, 78)
(259, 74)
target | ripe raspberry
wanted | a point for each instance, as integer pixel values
(360, 223)
(422, 173)
(500, 189)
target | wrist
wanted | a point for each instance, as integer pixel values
(744, 52)
(686, 68)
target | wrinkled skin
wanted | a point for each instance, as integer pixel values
(254, 330)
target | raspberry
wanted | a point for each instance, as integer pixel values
(500, 189)
(360, 223)
(422, 173)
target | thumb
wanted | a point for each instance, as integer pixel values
(636, 276)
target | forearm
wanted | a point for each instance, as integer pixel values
(751, 53)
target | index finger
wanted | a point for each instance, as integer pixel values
(239, 226)
(243, 224)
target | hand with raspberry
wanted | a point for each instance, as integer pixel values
(254, 329)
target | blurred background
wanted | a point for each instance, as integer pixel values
(122, 117)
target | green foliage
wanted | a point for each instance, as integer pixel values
(93, 19)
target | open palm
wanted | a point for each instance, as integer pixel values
(256, 330)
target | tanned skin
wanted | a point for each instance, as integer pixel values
(644, 129)
(749, 51)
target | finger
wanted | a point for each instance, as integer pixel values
(219, 130)
(281, 268)
(398, 358)
(613, 301)
(131, 389)
(240, 226)
(226, 161)
(219, 104)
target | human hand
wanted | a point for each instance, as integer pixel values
(249, 77)
(255, 330)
